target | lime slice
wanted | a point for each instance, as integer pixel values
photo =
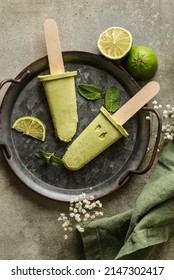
(115, 42)
(31, 126)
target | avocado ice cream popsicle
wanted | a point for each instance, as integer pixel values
(106, 129)
(59, 86)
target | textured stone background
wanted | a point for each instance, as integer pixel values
(28, 222)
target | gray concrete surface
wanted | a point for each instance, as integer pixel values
(28, 222)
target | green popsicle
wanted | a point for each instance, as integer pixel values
(59, 87)
(106, 129)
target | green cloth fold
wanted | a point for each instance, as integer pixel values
(133, 234)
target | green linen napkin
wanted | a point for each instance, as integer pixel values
(133, 234)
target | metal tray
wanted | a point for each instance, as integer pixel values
(104, 174)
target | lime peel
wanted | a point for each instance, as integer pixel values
(141, 62)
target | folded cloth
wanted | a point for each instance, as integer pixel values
(133, 234)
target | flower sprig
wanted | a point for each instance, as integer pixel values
(168, 120)
(81, 210)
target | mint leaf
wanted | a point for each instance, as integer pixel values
(89, 92)
(57, 160)
(45, 156)
(112, 99)
(49, 157)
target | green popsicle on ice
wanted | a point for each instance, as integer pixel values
(106, 129)
(59, 86)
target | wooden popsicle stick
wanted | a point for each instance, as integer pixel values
(53, 46)
(136, 102)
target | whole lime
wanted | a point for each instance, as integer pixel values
(141, 62)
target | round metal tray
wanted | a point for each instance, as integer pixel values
(105, 173)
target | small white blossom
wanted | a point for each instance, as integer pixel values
(71, 214)
(64, 225)
(85, 201)
(87, 215)
(168, 123)
(81, 196)
(97, 213)
(83, 211)
(147, 117)
(93, 205)
(81, 229)
(62, 215)
(155, 102)
(65, 236)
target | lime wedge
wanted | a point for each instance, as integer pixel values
(115, 42)
(31, 126)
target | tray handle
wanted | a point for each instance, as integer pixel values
(123, 179)
(17, 80)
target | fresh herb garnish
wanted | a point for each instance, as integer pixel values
(112, 99)
(56, 160)
(49, 157)
(89, 92)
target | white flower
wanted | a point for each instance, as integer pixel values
(93, 205)
(155, 102)
(93, 216)
(85, 201)
(65, 236)
(77, 218)
(87, 215)
(70, 228)
(97, 213)
(62, 214)
(83, 211)
(81, 196)
(71, 214)
(147, 117)
(81, 229)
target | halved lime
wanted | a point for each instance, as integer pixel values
(31, 126)
(115, 42)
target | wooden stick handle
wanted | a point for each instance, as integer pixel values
(54, 52)
(140, 99)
